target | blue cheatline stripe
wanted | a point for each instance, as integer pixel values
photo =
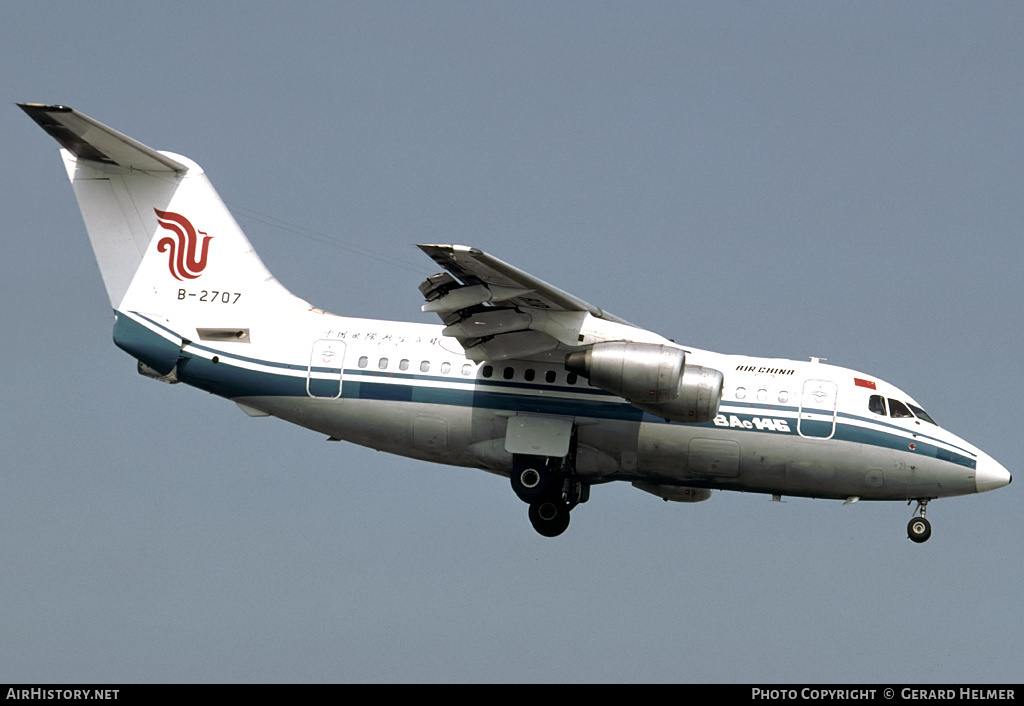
(231, 381)
(871, 436)
(898, 432)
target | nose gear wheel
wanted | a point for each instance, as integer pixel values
(919, 529)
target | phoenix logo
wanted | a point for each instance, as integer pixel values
(183, 262)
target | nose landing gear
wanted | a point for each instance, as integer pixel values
(919, 529)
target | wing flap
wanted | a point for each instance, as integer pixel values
(469, 296)
(490, 323)
(510, 346)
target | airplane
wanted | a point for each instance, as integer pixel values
(520, 379)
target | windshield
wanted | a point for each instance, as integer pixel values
(897, 410)
(922, 415)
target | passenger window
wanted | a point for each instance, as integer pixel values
(403, 364)
(507, 373)
(741, 393)
(467, 369)
(876, 405)
(571, 378)
(425, 367)
(898, 410)
(487, 371)
(762, 394)
(446, 368)
(549, 376)
(529, 374)
(382, 363)
(783, 397)
(363, 361)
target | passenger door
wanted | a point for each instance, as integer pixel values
(817, 418)
(323, 377)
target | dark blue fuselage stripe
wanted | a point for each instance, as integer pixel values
(232, 381)
(730, 408)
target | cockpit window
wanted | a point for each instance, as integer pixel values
(898, 410)
(877, 404)
(922, 415)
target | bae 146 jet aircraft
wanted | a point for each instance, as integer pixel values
(522, 379)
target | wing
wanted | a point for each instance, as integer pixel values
(497, 311)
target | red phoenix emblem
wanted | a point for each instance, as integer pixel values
(183, 247)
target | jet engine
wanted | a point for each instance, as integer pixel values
(653, 377)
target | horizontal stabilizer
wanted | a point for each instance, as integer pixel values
(87, 139)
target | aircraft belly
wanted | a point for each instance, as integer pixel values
(424, 431)
(766, 462)
(451, 434)
(705, 456)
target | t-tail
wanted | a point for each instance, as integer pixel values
(173, 260)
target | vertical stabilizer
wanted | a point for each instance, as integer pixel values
(165, 242)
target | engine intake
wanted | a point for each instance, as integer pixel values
(652, 377)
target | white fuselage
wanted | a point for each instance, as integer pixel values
(784, 427)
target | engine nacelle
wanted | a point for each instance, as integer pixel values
(653, 377)
(639, 372)
(699, 397)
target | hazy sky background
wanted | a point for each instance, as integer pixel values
(834, 179)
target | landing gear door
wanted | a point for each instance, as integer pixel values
(323, 378)
(539, 436)
(818, 409)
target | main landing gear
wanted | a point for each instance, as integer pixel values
(919, 529)
(551, 489)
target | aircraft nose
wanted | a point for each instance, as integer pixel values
(989, 474)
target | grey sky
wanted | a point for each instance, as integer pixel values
(840, 180)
